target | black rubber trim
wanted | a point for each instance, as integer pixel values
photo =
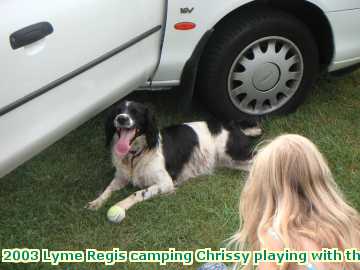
(190, 70)
(76, 72)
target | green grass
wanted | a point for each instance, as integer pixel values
(41, 203)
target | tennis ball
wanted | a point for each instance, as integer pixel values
(116, 214)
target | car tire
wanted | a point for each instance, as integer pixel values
(260, 62)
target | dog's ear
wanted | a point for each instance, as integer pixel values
(152, 131)
(109, 127)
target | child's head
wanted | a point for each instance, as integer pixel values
(290, 188)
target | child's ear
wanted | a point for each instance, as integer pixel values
(152, 131)
(109, 127)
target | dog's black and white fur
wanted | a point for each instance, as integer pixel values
(158, 161)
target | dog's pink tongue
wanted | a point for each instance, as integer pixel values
(123, 144)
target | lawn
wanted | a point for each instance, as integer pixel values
(41, 203)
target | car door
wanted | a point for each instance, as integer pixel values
(63, 61)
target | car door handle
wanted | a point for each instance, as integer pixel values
(30, 34)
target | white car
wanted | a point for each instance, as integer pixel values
(64, 61)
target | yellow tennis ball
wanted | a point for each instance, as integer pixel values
(116, 214)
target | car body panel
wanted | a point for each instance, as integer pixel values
(78, 38)
(345, 25)
(179, 45)
(336, 5)
(27, 129)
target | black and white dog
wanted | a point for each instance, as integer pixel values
(158, 161)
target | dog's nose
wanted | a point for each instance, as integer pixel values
(123, 119)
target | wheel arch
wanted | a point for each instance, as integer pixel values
(310, 13)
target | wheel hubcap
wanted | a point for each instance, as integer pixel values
(265, 75)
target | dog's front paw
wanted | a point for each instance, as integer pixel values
(116, 214)
(94, 205)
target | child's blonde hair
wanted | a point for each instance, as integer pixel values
(290, 188)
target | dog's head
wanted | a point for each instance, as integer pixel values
(129, 120)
